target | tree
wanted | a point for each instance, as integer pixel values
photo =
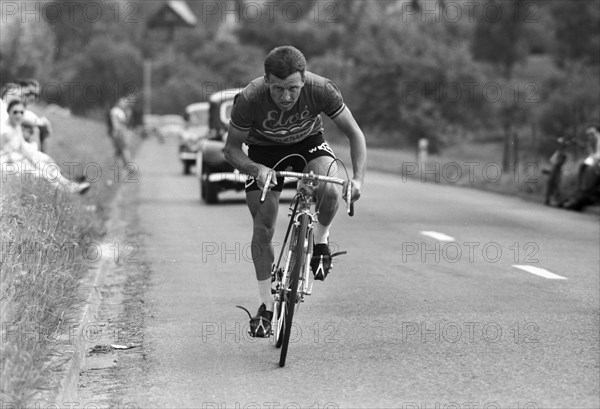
(577, 32)
(574, 102)
(26, 48)
(102, 73)
(499, 40)
(412, 81)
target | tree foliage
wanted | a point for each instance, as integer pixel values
(577, 33)
(402, 70)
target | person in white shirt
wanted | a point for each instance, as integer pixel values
(119, 130)
(30, 93)
(9, 92)
(18, 157)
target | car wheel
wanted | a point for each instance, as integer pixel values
(211, 193)
(187, 166)
(200, 172)
(202, 189)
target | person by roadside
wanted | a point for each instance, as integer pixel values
(19, 157)
(30, 94)
(119, 131)
(9, 92)
(588, 177)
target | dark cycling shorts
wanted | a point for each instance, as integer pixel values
(310, 148)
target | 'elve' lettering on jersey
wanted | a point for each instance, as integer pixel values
(255, 111)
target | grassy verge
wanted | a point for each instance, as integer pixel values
(44, 235)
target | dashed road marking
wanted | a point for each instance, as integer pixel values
(438, 236)
(540, 272)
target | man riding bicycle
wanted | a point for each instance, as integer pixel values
(277, 115)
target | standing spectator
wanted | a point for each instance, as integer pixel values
(119, 121)
(30, 93)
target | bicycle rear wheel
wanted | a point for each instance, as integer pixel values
(299, 254)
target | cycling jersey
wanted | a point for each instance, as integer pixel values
(255, 111)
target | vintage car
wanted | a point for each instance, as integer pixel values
(196, 129)
(214, 172)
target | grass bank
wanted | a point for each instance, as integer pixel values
(46, 236)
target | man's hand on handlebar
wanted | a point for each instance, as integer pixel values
(262, 176)
(356, 189)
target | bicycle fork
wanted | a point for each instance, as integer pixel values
(305, 283)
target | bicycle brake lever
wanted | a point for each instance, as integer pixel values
(267, 183)
(349, 204)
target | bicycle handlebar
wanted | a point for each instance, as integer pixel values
(313, 176)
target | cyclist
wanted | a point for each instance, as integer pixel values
(276, 115)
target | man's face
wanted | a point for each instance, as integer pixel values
(285, 92)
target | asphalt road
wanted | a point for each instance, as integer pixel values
(409, 318)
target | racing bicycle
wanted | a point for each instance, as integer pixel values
(291, 275)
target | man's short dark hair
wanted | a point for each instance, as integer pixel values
(284, 61)
(29, 82)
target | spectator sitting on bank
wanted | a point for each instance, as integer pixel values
(29, 134)
(17, 155)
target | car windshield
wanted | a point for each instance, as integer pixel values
(228, 111)
(199, 118)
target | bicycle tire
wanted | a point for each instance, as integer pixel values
(297, 264)
(280, 305)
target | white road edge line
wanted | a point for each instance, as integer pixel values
(540, 272)
(438, 236)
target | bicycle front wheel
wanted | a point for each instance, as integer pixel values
(299, 254)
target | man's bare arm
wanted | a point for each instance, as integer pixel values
(358, 146)
(239, 160)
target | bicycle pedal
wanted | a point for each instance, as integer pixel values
(268, 335)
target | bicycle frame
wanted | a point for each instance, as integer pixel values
(302, 208)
